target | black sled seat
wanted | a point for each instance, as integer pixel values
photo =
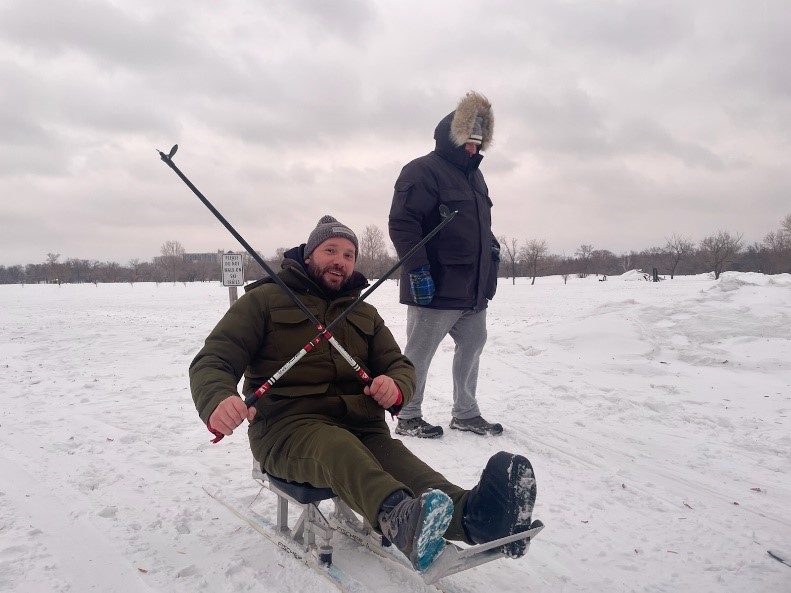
(301, 492)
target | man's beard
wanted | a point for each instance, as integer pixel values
(317, 275)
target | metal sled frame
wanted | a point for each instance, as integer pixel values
(313, 530)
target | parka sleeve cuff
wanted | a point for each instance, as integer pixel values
(396, 407)
(212, 404)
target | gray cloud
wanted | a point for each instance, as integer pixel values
(617, 124)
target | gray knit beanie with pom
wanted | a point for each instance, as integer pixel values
(327, 228)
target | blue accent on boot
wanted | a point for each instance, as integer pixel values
(437, 513)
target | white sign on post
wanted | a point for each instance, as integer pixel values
(232, 269)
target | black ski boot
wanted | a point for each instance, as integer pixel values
(502, 502)
(416, 525)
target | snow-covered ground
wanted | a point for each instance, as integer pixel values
(656, 416)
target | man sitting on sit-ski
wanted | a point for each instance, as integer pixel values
(321, 426)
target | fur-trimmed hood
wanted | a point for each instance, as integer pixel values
(453, 131)
(471, 106)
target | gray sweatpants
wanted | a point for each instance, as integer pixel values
(425, 329)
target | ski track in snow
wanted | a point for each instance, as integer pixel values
(655, 416)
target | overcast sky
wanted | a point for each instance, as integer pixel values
(618, 123)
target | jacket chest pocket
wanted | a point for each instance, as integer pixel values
(357, 335)
(458, 243)
(290, 330)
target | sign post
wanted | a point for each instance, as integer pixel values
(232, 273)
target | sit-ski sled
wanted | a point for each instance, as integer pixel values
(310, 537)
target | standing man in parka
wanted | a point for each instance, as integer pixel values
(447, 284)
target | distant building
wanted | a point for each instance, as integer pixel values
(204, 258)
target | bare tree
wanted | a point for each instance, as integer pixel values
(755, 257)
(603, 261)
(785, 226)
(172, 257)
(92, 269)
(12, 275)
(564, 266)
(778, 247)
(720, 249)
(777, 241)
(678, 248)
(626, 261)
(372, 251)
(53, 267)
(511, 253)
(532, 254)
(252, 270)
(584, 253)
(134, 268)
(110, 272)
(75, 270)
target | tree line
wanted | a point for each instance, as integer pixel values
(715, 253)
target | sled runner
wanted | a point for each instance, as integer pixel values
(313, 530)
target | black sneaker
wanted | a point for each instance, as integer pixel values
(416, 525)
(417, 427)
(477, 425)
(502, 502)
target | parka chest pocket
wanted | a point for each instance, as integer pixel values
(402, 189)
(458, 242)
(359, 335)
(290, 330)
(456, 196)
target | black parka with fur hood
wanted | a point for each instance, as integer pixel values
(460, 257)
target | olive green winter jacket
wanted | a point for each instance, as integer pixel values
(264, 329)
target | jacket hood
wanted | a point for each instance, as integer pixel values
(453, 131)
(472, 106)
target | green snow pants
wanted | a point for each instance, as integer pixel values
(343, 442)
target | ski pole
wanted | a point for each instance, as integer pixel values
(358, 369)
(323, 332)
